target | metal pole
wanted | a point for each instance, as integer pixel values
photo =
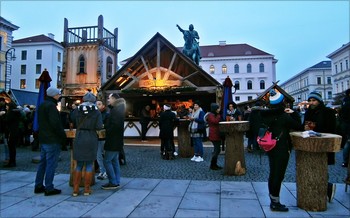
(12, 57)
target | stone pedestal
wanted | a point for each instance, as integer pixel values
(73, 163)
(184, 139)
(312, 168)
(234, 153)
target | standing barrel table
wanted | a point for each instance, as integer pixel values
(312, 168)
(70, 133)
(234, 152)
(184, 139)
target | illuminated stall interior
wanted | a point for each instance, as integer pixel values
(157, 74)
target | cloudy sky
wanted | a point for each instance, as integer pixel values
(298, 33)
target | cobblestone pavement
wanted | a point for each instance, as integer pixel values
(143, 161)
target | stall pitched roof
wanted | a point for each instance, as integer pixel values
(157, 60)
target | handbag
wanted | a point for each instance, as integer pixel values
(265, 140)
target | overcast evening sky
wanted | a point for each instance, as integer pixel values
(298, 33)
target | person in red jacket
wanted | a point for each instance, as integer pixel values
(213, 118)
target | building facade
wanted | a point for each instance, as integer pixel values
(34, 54)
(340, 59)
(250, 69)
(7, 53)
(316, 78)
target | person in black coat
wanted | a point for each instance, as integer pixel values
(167, 122)
(114, 140)
(319, 118)
(280, 120)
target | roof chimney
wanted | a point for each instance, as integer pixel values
(222, 43)
(52, 36)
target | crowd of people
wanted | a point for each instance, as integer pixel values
(107, 154)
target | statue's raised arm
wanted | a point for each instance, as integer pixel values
(181, 30)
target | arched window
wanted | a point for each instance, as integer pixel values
(82, 65)
(212, 69)
(261, 68)
(109, 68)
(249, 84)
(237, 85)
(249, 68)
(236, 68)
(262, 84)
(224, 69)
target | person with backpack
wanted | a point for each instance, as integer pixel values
(213, 118)
(280, 121)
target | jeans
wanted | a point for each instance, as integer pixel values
(99, 158)
(80, 165)
(143, 130)
(6, 148)
(216, 151)
(346, 151)
(198, 146)
(111, 162)
(49, 155)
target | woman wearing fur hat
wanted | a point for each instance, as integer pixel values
(280, 121)
(196, 128)
(88, 119)
(213, 119)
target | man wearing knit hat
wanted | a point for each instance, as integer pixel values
(319, 118)
(51, 138)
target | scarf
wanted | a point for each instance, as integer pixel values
(193, 127)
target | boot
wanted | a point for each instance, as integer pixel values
(275, 204)
(170, 155)
(213, 164)
(76, 182)
(87, 182)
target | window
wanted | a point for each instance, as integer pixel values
(250, 98)
(346, 64)
(236, 68)
(261, 68)
(59, 76)
(237, 85)
(249, 84)
(212, 69)
(237, 98)
(59, 56)
(109, 70)
(336, 68)
(249, 68)
(81, 64)
(319, 81)
(329, 80)
(23, 69)
(329, 93)
(24, 55)
(224, 69)
(262, 84)
(37, 83)
(39, 54)
(22, 84)
(0, 43)
(38, 69)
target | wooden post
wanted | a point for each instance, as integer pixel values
(234, 153)
(312, 168)
(184, 139)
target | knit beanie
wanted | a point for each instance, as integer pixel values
(166, 107)
(275, 97)
(316, 96)
(52, 92)
(89, 97)
(214, 107)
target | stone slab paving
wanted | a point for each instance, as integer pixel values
(148, 197)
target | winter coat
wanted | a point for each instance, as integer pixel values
(213, 121)
(325, 120)
(88, 120)
(50, 126)
(167, 123)
(115, 126)
(279, 122)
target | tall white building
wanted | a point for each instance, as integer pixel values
(250, 69)
(340, 68)
(316, 78)
(34, 54)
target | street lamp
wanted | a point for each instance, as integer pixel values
(9, 56)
